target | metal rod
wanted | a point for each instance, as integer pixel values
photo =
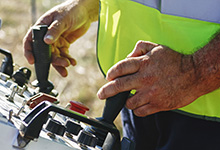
(33, 11)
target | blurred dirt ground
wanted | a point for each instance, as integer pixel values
(83, 80)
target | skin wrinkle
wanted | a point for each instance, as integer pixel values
(118, 85)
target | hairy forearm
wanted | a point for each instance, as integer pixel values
(207, 66)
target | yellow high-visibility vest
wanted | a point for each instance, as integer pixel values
(183, 25)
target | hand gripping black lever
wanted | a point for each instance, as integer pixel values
(42, 56)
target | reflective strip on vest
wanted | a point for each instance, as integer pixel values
(179, 24)
(196, 9)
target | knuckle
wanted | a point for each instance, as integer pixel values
(55, 29)
(129, 104)
(119, 85)
(133, 102)
(141, 42)
(119, 67)
(134, 62)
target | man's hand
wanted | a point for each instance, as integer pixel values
(163, 79)
(67, 22)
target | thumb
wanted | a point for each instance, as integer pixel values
(54, 31)
(142, 48)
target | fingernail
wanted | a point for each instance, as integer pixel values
(73, 62)
(49, 37)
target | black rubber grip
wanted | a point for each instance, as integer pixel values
(42, 56)
(113, 106)
(7, 63)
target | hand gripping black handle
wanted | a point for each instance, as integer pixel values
(113, 106)
(42, 56)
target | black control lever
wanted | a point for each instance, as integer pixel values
(42, 56)
(7, 63)
(113, 106)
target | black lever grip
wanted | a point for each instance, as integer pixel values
(7, 63)
(42, 56)
(113, 106)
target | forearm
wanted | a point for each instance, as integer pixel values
(91, 7)
(207, 66)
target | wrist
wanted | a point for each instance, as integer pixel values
(92, 8)
(207, 66)
(78, 12)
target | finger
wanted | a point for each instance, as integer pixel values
(142, 96)
(61, 70)
(29, 56)
(54, 31)
(60, 61)
(118, 85)
(27, 44)
(137, 100)
(122, 68)
(73, 62)
(141, 48)
(146, 110)
(65, 54)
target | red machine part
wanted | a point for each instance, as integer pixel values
(40, 97)
(78, 107)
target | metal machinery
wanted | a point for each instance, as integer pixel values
(30, 118)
